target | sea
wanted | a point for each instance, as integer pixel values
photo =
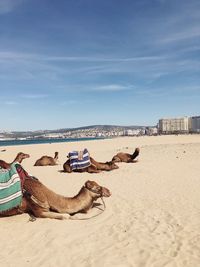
(4, 143)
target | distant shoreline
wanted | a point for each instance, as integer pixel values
(45, 141)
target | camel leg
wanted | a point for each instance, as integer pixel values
(18, 210)
(52, 215)
(93, 169)
(14, 211)
(132, 161)
(41, 210)
(67, 169)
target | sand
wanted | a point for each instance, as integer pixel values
(152, 218)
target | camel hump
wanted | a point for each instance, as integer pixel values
(116, 158)
(46, 160)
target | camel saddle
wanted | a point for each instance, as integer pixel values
(79, 159)
(10, 188)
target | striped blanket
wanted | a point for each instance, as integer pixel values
(10, 189)
(79, 159)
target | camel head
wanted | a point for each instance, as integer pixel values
(20, 156)
(112, 165)
(97, 189)
(56, 155)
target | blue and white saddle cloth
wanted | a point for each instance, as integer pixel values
(79, 159)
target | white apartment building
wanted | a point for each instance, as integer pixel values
(194, 124)
(174, 125)
(132, 132)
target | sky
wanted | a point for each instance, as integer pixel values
(72, 63)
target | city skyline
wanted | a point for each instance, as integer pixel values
(66, 64)
(194, 126)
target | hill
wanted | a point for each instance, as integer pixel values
(68, 131)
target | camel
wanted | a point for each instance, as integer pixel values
(95, 166)
(44, 203)
(46, 160)
(19, 158)
(125, 157)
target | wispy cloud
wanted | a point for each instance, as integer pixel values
(96, 88)
(33, 66)
(111, 87)
(13, 55)
(69, 102)
(11, 103)
(23, 67)
(7, 6)
(185, 34)
(101, 59)
(154, 92)
(187, 89)
(34, 96)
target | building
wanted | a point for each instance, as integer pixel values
(194, 124)
(128, 132)
(174, 125)
(132, 132)
(151, 131)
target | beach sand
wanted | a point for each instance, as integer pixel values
(152, 218)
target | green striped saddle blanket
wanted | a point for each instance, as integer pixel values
(10, 189)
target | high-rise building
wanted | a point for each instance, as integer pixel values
(174, 125)
(194, 124)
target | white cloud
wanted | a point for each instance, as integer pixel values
(7, 6)
(11, 103)
(12, 55)
(70, 102)
(100, 59)
(189, 33)
(27, 66)
(34, 96)
(111, 87)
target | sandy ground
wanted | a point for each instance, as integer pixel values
(152, 218)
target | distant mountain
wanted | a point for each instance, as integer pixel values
(97, 128)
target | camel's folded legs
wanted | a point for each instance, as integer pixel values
(14, 211)
(53, 215)
(93, 169)
(132, 161)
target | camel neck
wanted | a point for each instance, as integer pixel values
(84, 199)
(80, 202)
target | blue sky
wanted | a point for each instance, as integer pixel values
(72, 63)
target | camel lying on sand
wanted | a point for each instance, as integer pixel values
(44, 203)
(46, 160)
(20, 156)
(125, 157)
(95, 166)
